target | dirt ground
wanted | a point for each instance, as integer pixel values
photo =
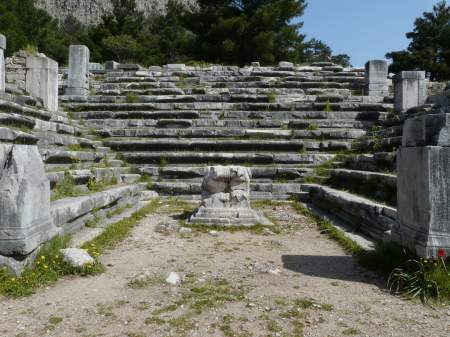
(295, 283)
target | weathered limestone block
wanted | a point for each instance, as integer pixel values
(410, 90)
(423, 185)
(78, 78)
(376, 78)
(226, 198)
(286, 65)
(2, 62)
(430, 129)
(111, 65)
(42, 80)
(176, 67)
(25, 220)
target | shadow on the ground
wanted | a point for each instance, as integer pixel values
(344, 268)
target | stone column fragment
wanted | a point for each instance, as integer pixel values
(423, 185)
(376, 78)
(2, 62)
(226, 198)
(410, 90)
(42, 80)
(25, 220)
(78, 79)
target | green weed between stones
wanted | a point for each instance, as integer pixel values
(118, 231)
(65, 188)
(132, 98)
(49, 265)
(46, 270)
(95, 185)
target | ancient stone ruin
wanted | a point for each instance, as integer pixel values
(366, 147)
(226, 198)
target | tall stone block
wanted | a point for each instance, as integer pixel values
(423, 185)
(2, 62)
(25, 220)
(410, 90)
(376, 78)
(42, 80)
(78, 78)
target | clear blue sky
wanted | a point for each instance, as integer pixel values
(364, 29)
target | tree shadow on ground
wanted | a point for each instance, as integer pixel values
(344, 268)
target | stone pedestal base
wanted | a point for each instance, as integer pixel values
(226, 198)
(228, 217)
(423, 199)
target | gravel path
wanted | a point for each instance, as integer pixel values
(292, 284)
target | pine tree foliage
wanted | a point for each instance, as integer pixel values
(429, 48)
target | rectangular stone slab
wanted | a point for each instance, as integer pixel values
(424, 199)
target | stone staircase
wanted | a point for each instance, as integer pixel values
(68, 150)
(280, 122)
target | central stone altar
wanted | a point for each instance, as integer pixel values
(226, 198)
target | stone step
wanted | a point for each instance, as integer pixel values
(264, 118)
(57, 156)
(82, 176)
(199, 144)
(47, 139)
(368, 217)
(337, 83)
(374, 185)
(16, 120)
(229, 123)
(197, 172)
(72, 213)
(380, 144)
(7, 106)
(302, 115)
(239, 158)
(280, 191)
(223, 106)
(376, 162)
(16, 136)
(143, 132)
(87, 234)
(163, 114)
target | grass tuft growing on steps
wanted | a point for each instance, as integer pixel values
(118, 231)
(326, 227)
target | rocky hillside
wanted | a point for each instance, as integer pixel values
(90, 11)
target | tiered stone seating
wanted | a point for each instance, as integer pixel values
(66, 148)
(280, 122)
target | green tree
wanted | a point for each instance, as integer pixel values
(241, 31)
(342, 59)
(23, 25)
(166, 36)
(317, 51)
(429, 48)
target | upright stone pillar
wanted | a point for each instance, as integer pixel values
(78, 79)
(376, 78)
(42, 80)
(25, 220)
(410, 90)
(423, 185)
(2, 62)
